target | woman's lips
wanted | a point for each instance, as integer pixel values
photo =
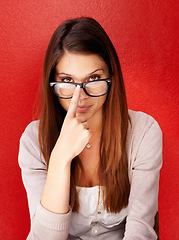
(83, 108)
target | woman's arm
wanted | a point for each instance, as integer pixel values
(146, 163)
(34, 172)
(48, 193)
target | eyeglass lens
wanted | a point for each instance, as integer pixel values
(66, 90)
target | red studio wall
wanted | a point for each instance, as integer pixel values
(145, 35)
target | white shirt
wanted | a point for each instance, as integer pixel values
(92, 216)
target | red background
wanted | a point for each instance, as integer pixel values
(145, 36)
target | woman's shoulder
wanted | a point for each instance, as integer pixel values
(142, 128)
(31, 131)
(29, 138)
(140, 121)
(32, 127)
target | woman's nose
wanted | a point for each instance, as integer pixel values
(83, 95)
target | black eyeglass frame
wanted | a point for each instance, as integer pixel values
(83, 85)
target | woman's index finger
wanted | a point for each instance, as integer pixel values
(74, 102)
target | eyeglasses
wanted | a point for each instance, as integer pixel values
(95, 88)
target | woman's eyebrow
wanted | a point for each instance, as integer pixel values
(96, 71)
(68, 74)
(63, 74)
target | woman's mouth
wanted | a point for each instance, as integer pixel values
(83, 108)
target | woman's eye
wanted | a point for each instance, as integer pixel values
(94, 78)
(66, 80)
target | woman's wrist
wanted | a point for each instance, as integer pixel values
(60, 159)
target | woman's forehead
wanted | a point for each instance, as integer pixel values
(80, 64)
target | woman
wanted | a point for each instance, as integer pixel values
(90, 166)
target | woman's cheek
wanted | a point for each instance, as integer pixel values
(65, 103)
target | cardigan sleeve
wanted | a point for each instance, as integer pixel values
(145, 164)
(44, 224)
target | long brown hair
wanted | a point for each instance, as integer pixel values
(85, 35)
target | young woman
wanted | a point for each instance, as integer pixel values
(90, 166)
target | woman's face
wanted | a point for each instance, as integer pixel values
(79, 68)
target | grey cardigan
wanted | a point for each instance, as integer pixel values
(144, 152)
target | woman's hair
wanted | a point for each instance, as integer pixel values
(86, 36)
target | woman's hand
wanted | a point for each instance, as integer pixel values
(75, 132)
